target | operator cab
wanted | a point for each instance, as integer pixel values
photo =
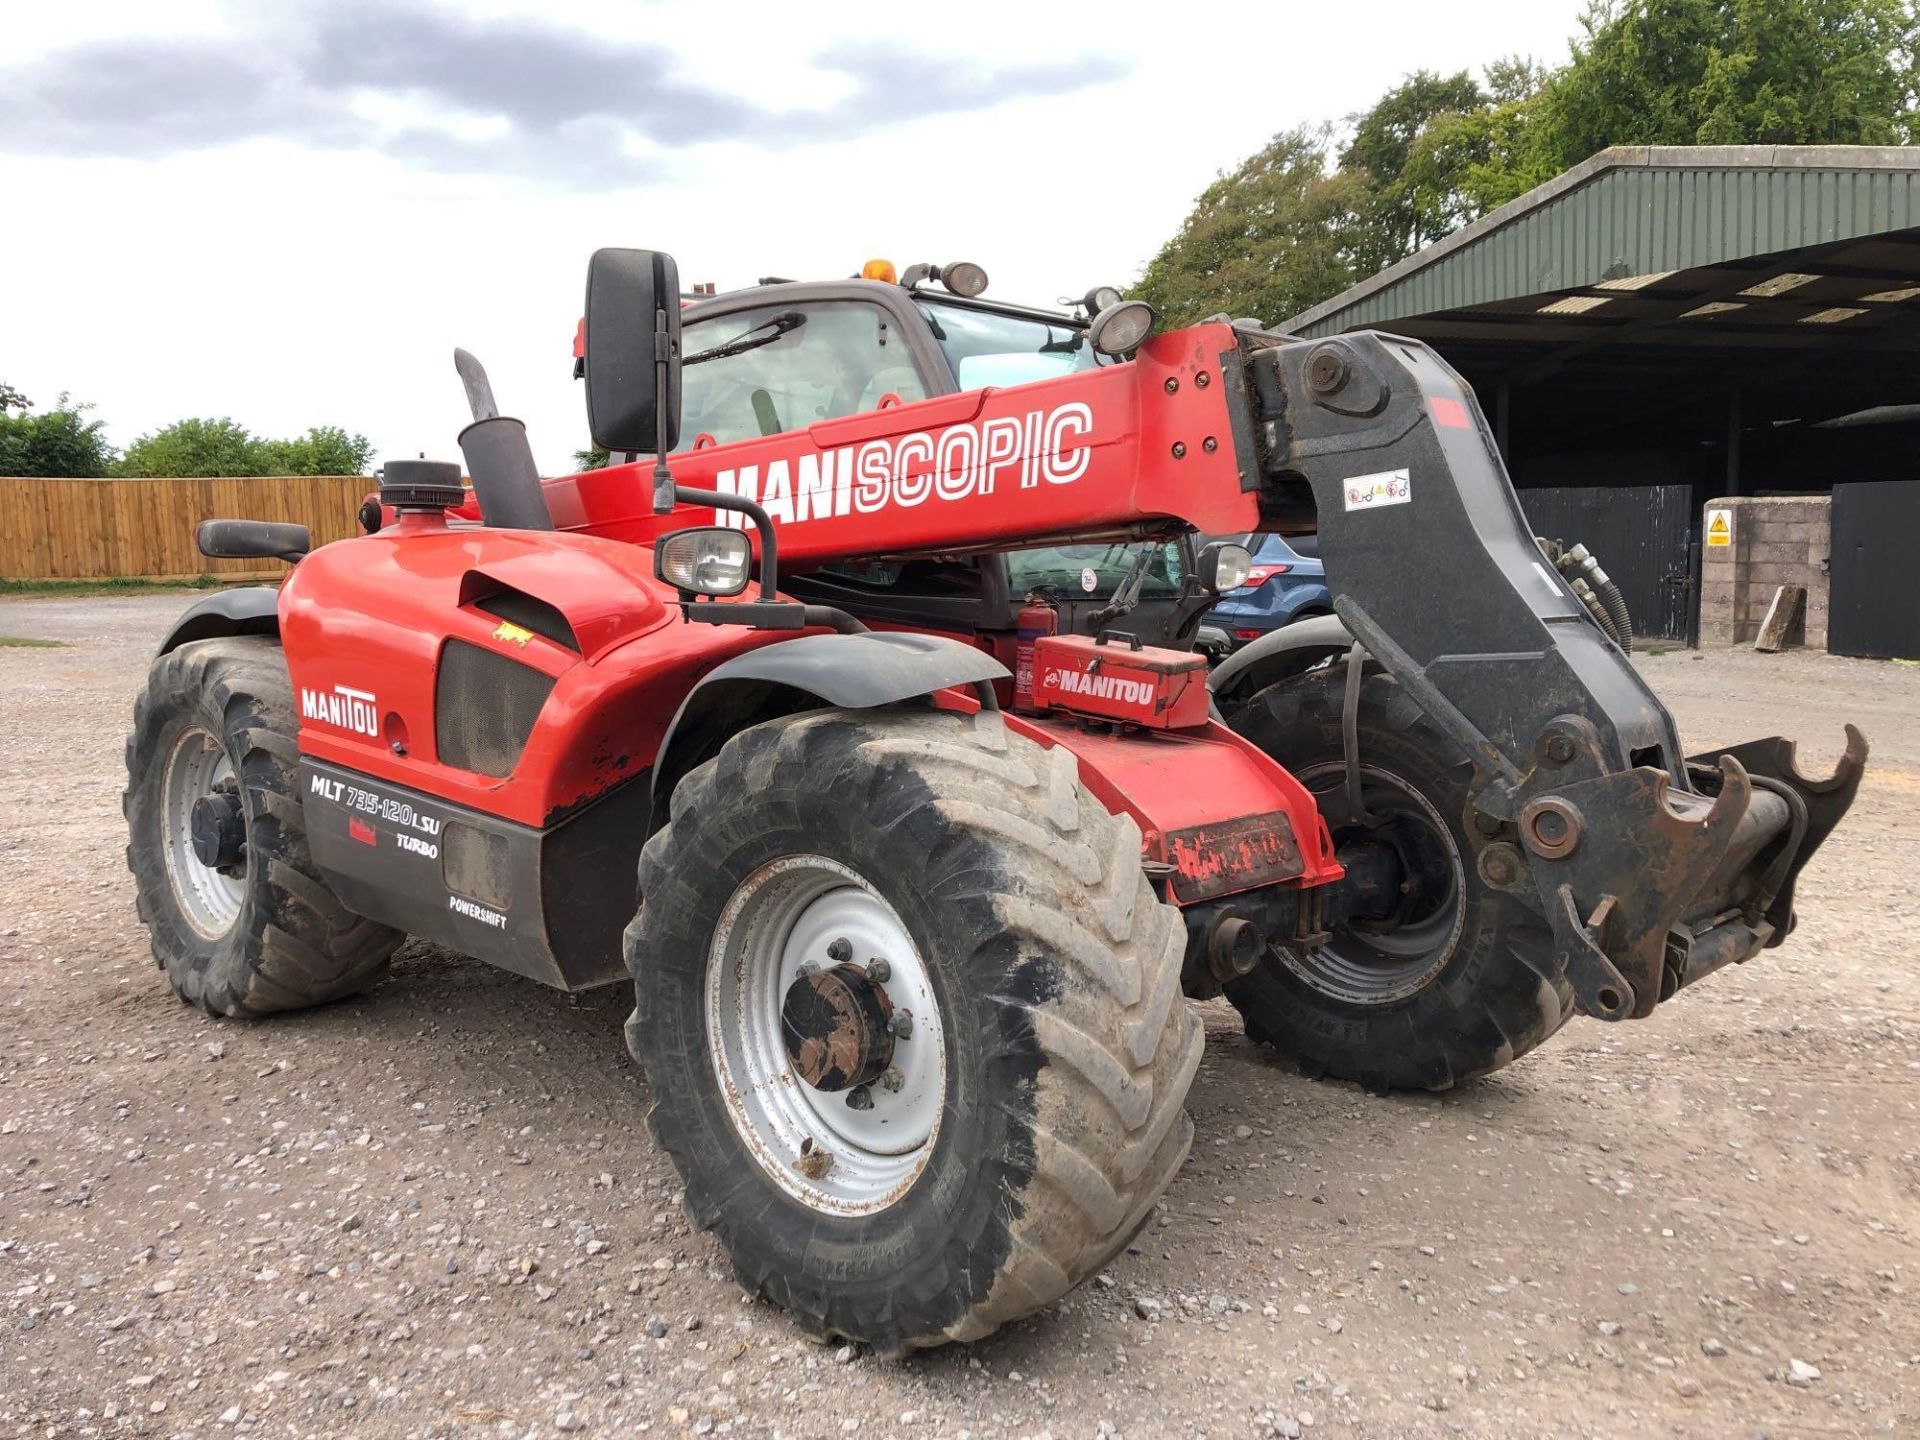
(783, 355)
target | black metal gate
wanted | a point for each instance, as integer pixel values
(1873, 610)
(1641, 534)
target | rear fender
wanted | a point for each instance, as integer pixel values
(810, 672)
(1217, 815)
(249, 610)
(1276, 655)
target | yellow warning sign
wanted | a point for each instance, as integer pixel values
(1719, 528)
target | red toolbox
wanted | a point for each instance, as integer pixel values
(1115, 677)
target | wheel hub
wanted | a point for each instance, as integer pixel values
(825, 1031)
(203, 833)
(837, 1028)
(1393, 923)
(1376, 880)
(218, 831)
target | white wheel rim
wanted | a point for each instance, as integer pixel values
(834, 1158)
(197, 766)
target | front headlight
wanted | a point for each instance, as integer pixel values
(709, 560)
(1224, 566)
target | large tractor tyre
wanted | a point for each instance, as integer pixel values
(911, 1018)
(1444, 979)
(235, 911)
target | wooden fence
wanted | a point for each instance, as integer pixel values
(98, 529)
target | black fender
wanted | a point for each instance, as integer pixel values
(851, 672)
(249, 610)
(1275, 656)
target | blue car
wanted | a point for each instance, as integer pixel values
(1284, 585)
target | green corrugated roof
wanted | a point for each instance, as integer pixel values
(1641, 210)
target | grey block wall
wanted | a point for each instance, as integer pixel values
(1776, 541)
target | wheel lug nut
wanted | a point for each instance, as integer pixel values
(879, 971)
(840, 951)
(860, 1098)
(901, 1025)
(892, 1080)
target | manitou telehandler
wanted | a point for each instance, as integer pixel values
(781, 726)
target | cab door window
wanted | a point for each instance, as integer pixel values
(783, 367)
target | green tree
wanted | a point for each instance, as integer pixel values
(223, 447)
(1736, 72)
(1266, 241)
(194, 447)
(323, 450)
(1438, 151)
(61, 441)
(1406, 207)
(1466, 163)
(594, 459)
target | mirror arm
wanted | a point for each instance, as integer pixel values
(663, 488)
(666, 494)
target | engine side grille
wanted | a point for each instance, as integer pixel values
(484, 708)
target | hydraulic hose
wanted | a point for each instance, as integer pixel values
(1616, 604)
(1596, 591)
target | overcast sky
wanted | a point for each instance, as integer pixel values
(291, 214)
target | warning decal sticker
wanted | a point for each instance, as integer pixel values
(1369, 492)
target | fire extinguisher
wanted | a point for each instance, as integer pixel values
(1036, 618)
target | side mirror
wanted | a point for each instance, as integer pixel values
(251, 540)
(1223, 566)
(633, 351)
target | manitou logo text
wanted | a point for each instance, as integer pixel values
(901, 471)
(344, 709)
(1101, 687)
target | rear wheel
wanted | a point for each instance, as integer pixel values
(235, 911)
(911, 1018)
(1435, 976)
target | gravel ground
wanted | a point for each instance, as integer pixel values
(434, 1210)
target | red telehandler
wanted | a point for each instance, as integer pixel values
(781, 726)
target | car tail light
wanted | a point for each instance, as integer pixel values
(1248, 634)
(1260, 574)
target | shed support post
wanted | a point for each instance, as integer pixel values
(1733, 441)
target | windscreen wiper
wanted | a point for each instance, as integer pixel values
(1126, 595)
(765, 333)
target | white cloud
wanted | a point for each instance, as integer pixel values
(321, 270)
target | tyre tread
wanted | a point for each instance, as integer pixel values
(1120, 1049)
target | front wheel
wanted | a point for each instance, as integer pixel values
(236, 911)
(911, 1018)
(1434, 976)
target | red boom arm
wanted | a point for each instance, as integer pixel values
(1124, 450)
